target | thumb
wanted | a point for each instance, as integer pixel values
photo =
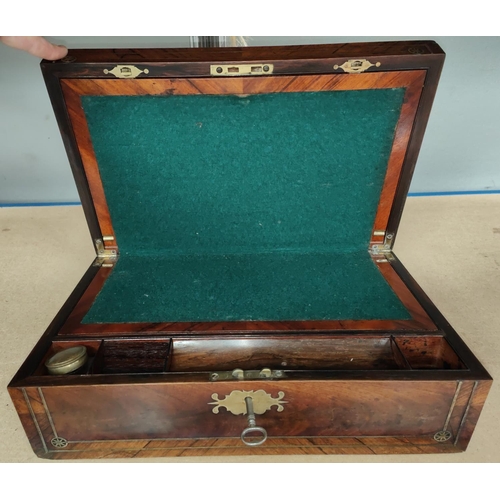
(36, 46)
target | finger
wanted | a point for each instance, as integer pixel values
(40, 47)
(36, 45)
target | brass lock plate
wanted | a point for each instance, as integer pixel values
(235, 402)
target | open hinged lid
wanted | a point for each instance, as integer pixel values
(249, 184)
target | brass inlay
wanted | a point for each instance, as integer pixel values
(46, 408)
(442, 436)
(59, 442)
(241, 69)
(32, 413)
(235, 402)
(356, 65)
(462, 422)
(453, 403)
(125, 71)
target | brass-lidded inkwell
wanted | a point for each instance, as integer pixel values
(67, 361)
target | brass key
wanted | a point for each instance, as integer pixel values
(252, 427)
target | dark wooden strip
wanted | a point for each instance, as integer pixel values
(417, 50)
(61, 113)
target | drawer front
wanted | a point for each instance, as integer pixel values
(200, 410)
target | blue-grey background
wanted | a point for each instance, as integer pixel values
(461, 148)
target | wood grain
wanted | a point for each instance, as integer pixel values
(472, 412)
(233, 447)
(429, 353)
(184, 410)
(302, 59)
(284, 353)
(349, 415)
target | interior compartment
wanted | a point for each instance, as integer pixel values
(132, 356)
(429, 353)
(283, 354)
(92, 350)
(185, 355)
(339, 353)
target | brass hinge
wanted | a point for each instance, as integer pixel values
(241, 69)
(380, 250)
(105, 256)
(383, 250)
(125, 71)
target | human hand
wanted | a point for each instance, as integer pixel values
(36, 46)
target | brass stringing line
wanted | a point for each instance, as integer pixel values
(47, 412)
(34, 419)
(462, 422)
(459, 386)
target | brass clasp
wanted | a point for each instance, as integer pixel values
(241, 69)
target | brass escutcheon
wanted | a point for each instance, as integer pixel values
(356, 65)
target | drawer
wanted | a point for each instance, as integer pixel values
(112, 418)
(329, 408)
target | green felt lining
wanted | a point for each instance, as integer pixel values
(246, 287)
(230, 208)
